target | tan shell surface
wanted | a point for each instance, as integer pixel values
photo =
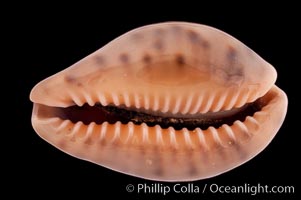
(159, 65)
(174, 67)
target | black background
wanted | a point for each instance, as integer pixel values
(45, 40)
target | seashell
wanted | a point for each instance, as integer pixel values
(172, 101)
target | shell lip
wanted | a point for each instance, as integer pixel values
(112, 114)
(276, 105)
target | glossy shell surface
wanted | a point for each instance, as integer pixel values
(173, 69)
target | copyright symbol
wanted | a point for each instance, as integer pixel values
(130, 188)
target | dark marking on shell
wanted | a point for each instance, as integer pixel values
(159, 168)
(62, 144)
(159, 32)
(220, 151)
(237, 77)
(158, 171)
(205, 44)
(137, 36)
(157, 161)
(147, 59)
(88, 141)
(158, 45)
(193, 36)
(240, 151)
(192, 170)
(231, 55)
(70, 79)
(103, 142)
(196, 39)
(100, 60)
(180, 60)
(124, 58)
(175, 29)
(192, 166)
(233, 71)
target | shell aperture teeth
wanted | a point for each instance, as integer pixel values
(111, 113)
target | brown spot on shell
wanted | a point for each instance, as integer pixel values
(158, 45)
(192, 170)
(124, 58)
(220, 151)
(233, 71)
(180, 60)
(70, 79)
(147, 59)
(192, 165)
(88, 141)
(205, 44)
(103, 142)
(159, 32)
(158, 163)
(175, 29)
(231, 54)
(100, 60)
(233, 74)
(240, 151)
(193, 36)
(158, 171)
(137, 36)
(196, 39)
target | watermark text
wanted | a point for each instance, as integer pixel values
(192, 188)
